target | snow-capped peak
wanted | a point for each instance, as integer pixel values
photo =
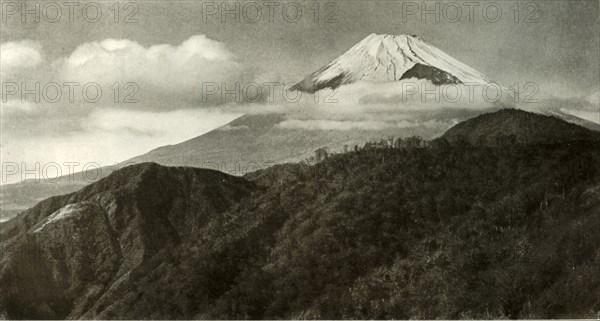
(383, 58)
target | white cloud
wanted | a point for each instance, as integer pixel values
(368, 99)
(110, 136)
(233, 128)
(178, 69)
(170, 80)
(322, 124)
(594, 98)
(164, 127)
(586, 106)
(19, 54)
(16, 107)
(106, 132)
(593, 116)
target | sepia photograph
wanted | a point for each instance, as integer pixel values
(299, 159)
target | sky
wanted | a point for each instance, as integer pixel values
(165, 56)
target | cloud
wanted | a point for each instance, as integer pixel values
(168, 111)
(19, 55)
(108, 136)
(233, 128)
(416, 94)
(375, 97)
(594, 98)
(16, 107)
(370, 106)
(586, 107)
(171, 109)
(129, 75)
(587, 103)
(165, 127)
(174, 69)
(321, 124)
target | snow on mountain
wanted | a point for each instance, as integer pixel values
(384, 58)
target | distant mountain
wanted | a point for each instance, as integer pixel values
(15, 198)
(517, 126)
(246, 144)
(446, 231)
(384, 58)
(257, 141)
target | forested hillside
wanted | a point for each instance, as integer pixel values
(414, 230)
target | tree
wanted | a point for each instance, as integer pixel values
(398, 143)
(440, 144)
(321, 154)
(413, 142)
(391, 141)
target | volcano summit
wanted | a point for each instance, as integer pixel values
(384, 58)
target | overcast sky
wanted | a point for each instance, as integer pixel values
(167, 50)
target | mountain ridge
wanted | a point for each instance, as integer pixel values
(517, 126)
(102, 234)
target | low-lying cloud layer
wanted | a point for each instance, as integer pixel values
(324, 124)
(372, 106)
(587, 107)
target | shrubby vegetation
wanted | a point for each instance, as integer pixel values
(447, 231)
(439, 230)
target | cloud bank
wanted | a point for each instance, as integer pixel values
(176, 69)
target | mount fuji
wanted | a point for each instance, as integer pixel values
(385, 58)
